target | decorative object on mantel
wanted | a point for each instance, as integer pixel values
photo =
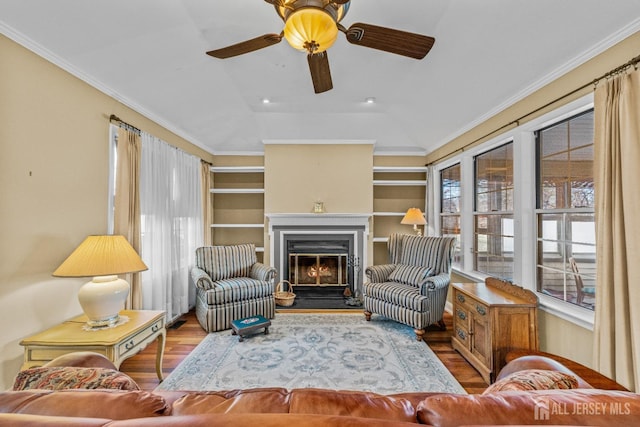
(414, 217)
(318, 207)
(103, 257)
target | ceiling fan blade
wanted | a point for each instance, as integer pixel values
(246, 46)
(320, 72)
(394, 41)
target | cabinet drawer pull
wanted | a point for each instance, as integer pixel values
(129, 345)
(155, 328)
(461, 298)
(461, 314)
(461, 334)
(480, 309)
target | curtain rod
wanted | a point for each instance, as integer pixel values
(631, 63)
(124, 125)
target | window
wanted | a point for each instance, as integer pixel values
(450, 207)
(523, 205)
(566, 251)
(493, 214)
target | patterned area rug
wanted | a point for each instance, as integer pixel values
(334, 351)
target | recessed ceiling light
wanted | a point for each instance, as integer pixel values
(370, 100)
(266, 100)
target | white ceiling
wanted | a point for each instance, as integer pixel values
(150, 54)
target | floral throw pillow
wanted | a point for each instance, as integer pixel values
(533, 379)
(409, 274)
(65, 377)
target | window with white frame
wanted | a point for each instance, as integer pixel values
(493, 251)
(566, 250)
(450, 208)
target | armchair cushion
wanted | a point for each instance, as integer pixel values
(397, 294)
(224, 262)
(410, 274)
(238, 289)
(68, 377)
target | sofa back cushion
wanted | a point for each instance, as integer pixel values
(557, 407)
(111, 404)
(351, 403)
(225, 262)
(259, 400)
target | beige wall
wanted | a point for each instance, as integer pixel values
(296, 176)
(53, 182)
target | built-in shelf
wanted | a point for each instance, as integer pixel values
(403, 169)
(237, 169)
(237, 225)
(231, 184)
(400, 182)
(237, 190)
(387, 220)
(389, 213)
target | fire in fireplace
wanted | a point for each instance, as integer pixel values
(318, 269)
(318, 262)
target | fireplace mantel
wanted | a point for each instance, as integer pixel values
(319, 219)
(352, 226)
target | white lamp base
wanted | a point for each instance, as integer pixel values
(102, 299)
(417, 230)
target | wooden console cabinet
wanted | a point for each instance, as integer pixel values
(489, 320)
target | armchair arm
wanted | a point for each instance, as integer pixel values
(201, 278)
(379, 273)
(435, 283)
(260, 271)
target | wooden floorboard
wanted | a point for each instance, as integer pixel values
(180, 341)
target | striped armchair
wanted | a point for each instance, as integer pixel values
(412, 288)
(231, 284)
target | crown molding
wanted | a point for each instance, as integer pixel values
(56, 60)
(572, 64)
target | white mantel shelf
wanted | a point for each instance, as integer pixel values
(319, 219)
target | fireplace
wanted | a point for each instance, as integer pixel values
(318, 269)
(317, 261)
(319, 250)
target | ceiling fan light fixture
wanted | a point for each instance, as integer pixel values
(310, 30)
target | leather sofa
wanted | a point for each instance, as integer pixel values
(584, 405)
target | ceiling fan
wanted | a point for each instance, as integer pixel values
(312, 26)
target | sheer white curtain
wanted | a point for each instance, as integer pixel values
(171, 225)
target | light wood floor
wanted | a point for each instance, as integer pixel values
(180, 341)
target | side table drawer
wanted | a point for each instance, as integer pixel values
(461, 334)
(139, 340)
(471, 304)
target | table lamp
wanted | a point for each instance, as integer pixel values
(103, 257)
(414, 217)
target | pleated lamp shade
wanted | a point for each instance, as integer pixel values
(103, 257)
(414, 217)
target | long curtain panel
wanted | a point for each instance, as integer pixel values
(171, 216)
(207, 208)
(617, 201)
(127, 203)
